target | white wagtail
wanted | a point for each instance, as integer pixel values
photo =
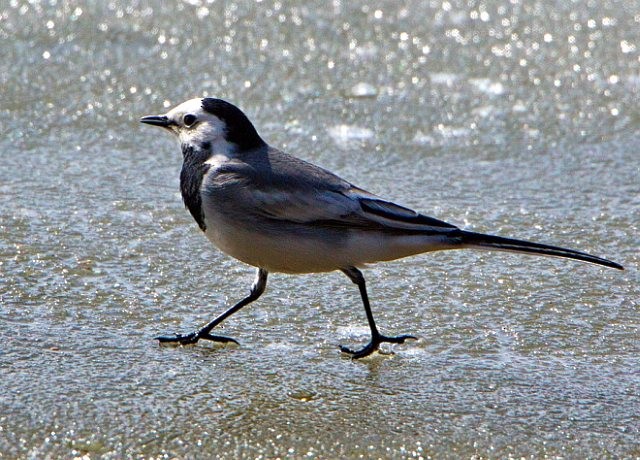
(282, 214)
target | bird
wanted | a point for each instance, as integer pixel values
(279, 213)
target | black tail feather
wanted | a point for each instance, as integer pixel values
(498, 243)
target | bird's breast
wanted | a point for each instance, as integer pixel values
(191, 177)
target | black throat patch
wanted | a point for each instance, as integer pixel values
(193, 170)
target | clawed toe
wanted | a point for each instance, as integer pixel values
(375, 344)
(398, 339)
(219, 338)
(188, 339)
(179, 339)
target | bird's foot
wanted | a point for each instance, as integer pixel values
(372, 346)
(187, 339)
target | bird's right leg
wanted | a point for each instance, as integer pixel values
(257, 288)
(376, 337)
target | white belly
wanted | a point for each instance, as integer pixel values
(286, 253)
(290, 251)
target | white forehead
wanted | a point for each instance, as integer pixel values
(193, 106)
(209, 129)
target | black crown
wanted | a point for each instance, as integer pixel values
(239, 129)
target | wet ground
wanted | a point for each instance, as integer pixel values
(515, 118)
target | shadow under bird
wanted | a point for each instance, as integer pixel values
(282, 214)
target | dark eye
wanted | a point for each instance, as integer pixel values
(189, 119)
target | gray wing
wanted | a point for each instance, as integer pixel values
(283, 188)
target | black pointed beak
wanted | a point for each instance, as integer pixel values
(156, 120)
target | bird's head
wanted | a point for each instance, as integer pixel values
(210, 124)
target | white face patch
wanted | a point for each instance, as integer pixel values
(206, 128)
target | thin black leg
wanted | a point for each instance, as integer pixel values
(257, 288)
(376, 338)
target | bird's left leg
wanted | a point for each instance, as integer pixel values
(257, 288)
(376, 338)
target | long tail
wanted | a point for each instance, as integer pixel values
(498, 243)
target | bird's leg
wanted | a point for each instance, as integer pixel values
(257, 288)
(376, 338)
